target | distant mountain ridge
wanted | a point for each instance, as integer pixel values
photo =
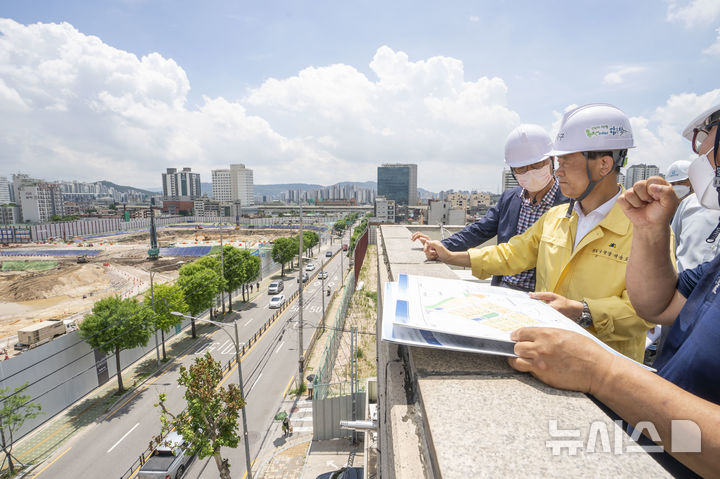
(125, 189)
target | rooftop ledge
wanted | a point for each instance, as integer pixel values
(456, 415)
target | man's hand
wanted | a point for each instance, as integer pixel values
(649, 203)
(436, 250)
(423, 238)
(562, 359)
(569, 307)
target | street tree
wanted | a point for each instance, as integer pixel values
(200, 286)
(116, 324)
(15, 410)
(251, 268)
(340, 226)
(310, 239)
(283, 250)
(233, 270)
(167, 298)
(210, 420)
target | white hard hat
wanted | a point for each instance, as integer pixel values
(703, 118)
(527, 144)
(593, 127)
(678, 171)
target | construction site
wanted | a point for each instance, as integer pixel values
(60, 281)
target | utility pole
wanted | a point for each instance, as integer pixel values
(248, 465)
(222, 267)
(152, 298)
(300, 301)
(322, 292)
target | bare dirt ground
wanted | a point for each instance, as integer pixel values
(69, 290)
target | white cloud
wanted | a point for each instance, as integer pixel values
(474, 18)
(422, 112)
(75, 107)
(658, 139)
(714, 49)
(694, 13)
(617, 76)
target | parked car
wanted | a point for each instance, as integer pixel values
(344, 473)
(328, 254)
(323, 275)
(275, 287)
(305, 277)
(277, 301)
(170, 459)
(309, 267)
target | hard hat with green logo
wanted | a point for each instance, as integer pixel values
(527, 144)
(594, 127)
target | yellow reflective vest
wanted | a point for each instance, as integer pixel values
(593, 272)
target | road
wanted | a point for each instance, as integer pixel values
(268, 368)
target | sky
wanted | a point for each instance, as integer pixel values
(324, 91)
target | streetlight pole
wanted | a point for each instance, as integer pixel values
(322, 291)
(222, 266)
(300, 302)
(152, 299)
(236, 343)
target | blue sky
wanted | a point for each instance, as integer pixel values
(320, 92)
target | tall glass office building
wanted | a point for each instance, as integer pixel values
(398, 182)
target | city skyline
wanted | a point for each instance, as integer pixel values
(113, 90)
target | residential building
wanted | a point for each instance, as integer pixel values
(639, 172)
(508, 180)
(221, 186)
(181, 185)
(4, 191)
(10, 215)
(398, 182)
(41, 201)
(458, 200)
(241, 185)
(442, 212)
(479, 199)
(384, 210)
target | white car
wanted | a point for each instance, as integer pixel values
(323, 275)
(309, 267)
(277, 301)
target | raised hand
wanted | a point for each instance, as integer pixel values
(649, 203)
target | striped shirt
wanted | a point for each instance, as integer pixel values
(529, 214)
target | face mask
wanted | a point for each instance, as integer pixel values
(701, 176)
(681, 190)
(535, 180)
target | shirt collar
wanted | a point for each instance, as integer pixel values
(601, 210)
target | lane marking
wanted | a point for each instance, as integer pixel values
(53, 462)
(121, 439)
(279, 346)
(250, 321)
(256, 381)
(288, 386)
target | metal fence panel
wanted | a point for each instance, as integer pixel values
(327, 414)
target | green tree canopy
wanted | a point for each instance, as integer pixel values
(15, 410)
(167, 298)
(200, 285)
(234, 270)
(116, 324)
(283, 250)
(211, 418)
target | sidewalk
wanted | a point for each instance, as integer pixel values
(48, 438)
(287, 458)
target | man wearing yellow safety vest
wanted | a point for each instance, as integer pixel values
(580, 252)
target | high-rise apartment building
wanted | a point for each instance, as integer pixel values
(4, 190)
(181, 185)
(241, 185)
(221, 187)
(41, 201)
(639, 172)
(508, 180)
(398, 182)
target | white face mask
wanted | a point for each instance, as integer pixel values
(701, 176)
(681, 190)
(535, 180)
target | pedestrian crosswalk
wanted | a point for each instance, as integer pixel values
(301, 416)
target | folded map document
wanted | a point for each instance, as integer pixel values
(463, 315)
